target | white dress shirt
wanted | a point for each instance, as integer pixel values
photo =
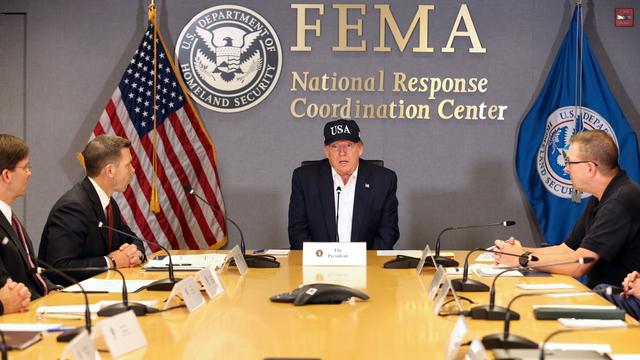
(347, 196)
(104, 201)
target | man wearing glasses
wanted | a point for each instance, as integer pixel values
(343, 198)
(608, 229)
(17, 259)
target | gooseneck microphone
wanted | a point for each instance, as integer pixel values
(506, 340)
(470, 285)
(338, 191)
(113, 309)
(5, 355)
(494, 312)
(253, 261)
(446, 262)
(69, 335)
(406, 262)
(159, 285)
(561, 331)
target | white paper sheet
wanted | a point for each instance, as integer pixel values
(110, 286)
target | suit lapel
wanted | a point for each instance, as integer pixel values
(15, 238)
(360, 201)
(87, 186)
(325, 182)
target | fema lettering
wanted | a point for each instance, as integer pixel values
(229, 57)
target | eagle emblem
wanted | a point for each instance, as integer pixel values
(231, 56)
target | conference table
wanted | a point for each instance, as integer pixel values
(397, 322)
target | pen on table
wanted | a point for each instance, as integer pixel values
(60, 316)
(259, 251)
(61, 329)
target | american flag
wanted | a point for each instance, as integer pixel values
(185, 155)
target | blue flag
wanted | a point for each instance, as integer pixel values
(575, 97)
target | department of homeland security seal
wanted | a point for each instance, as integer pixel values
(550, 160)
(229, 57)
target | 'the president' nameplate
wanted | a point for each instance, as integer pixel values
(334, 253)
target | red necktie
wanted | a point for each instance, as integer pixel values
(17, 227)
(109, 211)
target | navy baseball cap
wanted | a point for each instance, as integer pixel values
(341, 129)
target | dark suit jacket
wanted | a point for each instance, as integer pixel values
(14, 263)
(312, 215)
(71, 237)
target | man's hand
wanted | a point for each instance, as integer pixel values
(15, 297)
(512, 246)
(120, 258)
(630, 285)
(133, 254)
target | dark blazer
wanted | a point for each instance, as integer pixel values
(14, 263)
(71, 237)
(312, 215)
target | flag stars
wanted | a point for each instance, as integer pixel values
(139, 99)
(137, 110)
(143, 124)
(173, 94)
(131, 96)
(146, 103)
(136, 75)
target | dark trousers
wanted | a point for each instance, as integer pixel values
(630, 304)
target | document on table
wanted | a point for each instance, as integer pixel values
(556, 286)
(108, 286)
(79, 309)
(489, 270)
(412, 253)
(591, 323)
(192, 262)
(28, 327)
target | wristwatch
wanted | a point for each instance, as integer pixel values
(524, 258)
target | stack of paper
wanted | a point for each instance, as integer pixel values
(193, 262)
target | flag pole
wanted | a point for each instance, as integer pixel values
(154, 203)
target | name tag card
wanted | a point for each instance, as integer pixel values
(236, 255)
(210, 281)
(334, 254)
(426, 252)
(121, 333)
(437, 280)
(455, 339)
(81, 348)
(187, 289)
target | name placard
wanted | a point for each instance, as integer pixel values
(334, 253)
(121, 333)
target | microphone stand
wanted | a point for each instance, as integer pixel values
(505, 340)
(159, 285)
(253, 261)
(493, 312)
(69, 335)
(470, 285)
(5, 355)
(406, 262)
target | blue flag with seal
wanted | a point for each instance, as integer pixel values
(575, 97)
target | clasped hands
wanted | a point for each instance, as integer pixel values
(127, 256)
(510, 246)
(631, 285)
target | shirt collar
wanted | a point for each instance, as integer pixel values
(104, 198)
(6, 210)
(614, 184)
(337, 179)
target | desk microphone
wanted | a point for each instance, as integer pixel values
(406, 262)
(253, 261)
(69, 335)
(554, 353)
(466, 284)
(5, 355)
(494, 312)
(159, 285)
(338, 191)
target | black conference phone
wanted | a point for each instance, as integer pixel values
(319, 294)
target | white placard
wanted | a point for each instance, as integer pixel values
(438, 277)
(334, 254)
(81, 348)
(446, 288)
(455, 339)
(188, 290)
(476, 351)
(426, 252)
(238, 258)
(351, 276)
(210, 281)
(121, 333)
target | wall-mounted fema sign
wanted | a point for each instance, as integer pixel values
(229, 57)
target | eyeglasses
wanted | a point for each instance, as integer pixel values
(27, 168)
(568, 162)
